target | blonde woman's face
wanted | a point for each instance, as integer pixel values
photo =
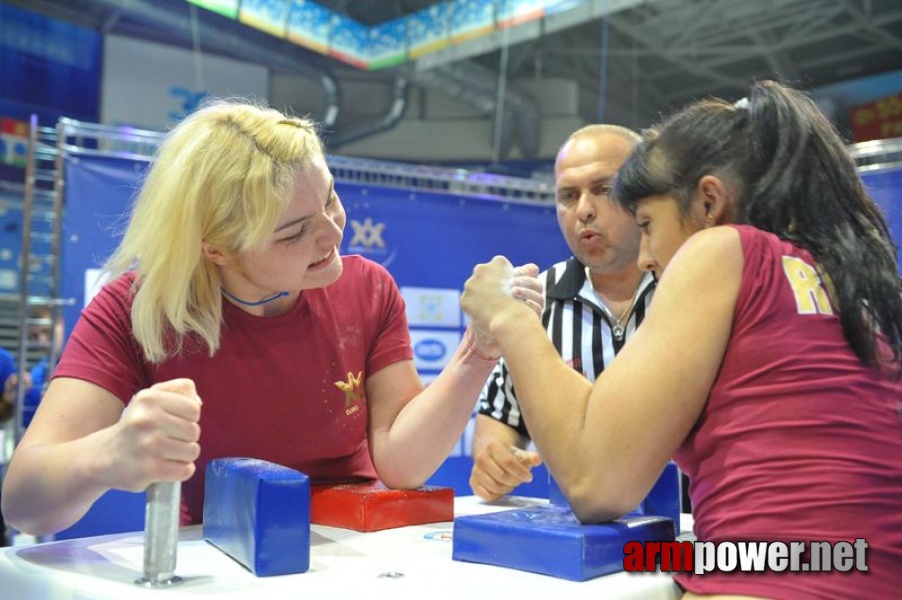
(302, 252)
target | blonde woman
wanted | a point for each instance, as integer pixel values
(233, 327)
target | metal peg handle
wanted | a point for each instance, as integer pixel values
(161, 531)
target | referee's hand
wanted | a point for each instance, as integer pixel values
(499, 468)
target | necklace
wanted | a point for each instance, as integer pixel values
(275, 296)
(618, 327)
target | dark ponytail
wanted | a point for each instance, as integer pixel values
(793, 177)
(803, 186)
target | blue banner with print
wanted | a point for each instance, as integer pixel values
(429, 242)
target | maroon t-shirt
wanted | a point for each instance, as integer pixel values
(798, 441)
(287, 389)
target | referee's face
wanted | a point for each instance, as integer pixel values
(600, 233)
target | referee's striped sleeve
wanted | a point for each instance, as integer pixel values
(498, 400)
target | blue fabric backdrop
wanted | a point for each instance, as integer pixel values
(885, 186)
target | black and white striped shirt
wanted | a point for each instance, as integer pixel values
(577, 326)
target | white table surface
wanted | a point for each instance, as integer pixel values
(343, 564)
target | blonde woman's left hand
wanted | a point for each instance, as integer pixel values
(527, 288)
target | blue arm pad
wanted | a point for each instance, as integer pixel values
(258, 513)
(550, 540)
(664, 497)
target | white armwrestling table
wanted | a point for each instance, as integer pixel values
(405, 563)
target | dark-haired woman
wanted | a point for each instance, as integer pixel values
(768, 366)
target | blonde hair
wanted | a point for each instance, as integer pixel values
(222, 177)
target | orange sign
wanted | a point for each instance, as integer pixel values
(878, 120)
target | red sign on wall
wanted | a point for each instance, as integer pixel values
(878, 120)
(13, 141)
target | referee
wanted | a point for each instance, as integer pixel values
(593, 302)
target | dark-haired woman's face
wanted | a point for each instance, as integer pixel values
(664, 229)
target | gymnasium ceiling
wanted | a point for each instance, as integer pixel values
(663, 53)
(658, 54)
